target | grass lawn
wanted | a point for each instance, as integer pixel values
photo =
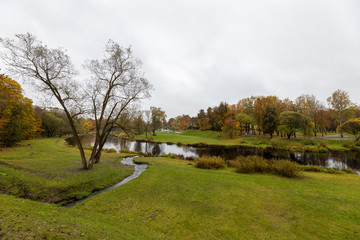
(48, 170)
(217, 138)
(174, 200)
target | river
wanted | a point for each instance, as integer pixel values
(339, 160)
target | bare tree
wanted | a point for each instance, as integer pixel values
(51, 72)
(116, 83)
(147, 116)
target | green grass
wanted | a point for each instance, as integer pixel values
(217, 138)
(47, 170)
(174, 200)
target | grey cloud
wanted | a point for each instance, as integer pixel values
(198, 53)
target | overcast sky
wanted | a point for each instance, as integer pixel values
(198, 53)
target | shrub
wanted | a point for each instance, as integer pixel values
(110, 150)
(309, 142)
(252, 164)
(349, 144)
(261, 141)
(233, 163)
(124, 150)
(311, 168)
(321, 150)
(348, 171)
(147, 154)
(323, 145)
(257, 164)
(286, 168)
(207, 162)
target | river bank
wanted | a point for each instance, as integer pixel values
(210, 138)
(174, 200)
(49, 170)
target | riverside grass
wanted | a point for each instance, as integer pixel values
(217, 138)
(48, 170)
(174, 200)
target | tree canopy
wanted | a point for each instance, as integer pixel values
(351, 126)
(17, 120)
(290, 122)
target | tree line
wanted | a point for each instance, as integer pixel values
(268, 115)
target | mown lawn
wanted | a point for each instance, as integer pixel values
(48, 170)
(174, 200)
(217, 138)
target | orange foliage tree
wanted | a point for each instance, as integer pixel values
(17, 120)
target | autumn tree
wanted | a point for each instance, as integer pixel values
(158, 119)
(261, 103)
(245, 122)
(309, 106)
(247, 106)
(340, 102)
(50, 71)
(351, 126)
(203, 120)
(270, 121)
(51, 124)
(17, 120)
(229, 127)
(220, 113)
(290, 122)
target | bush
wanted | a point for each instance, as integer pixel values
(261, 141)
(286, 168)
(257, 164)
(323, 145)
(350, 144)
(309, 142)
(311, 168)
(147, 154)
(321, 150)
(110, 150)
(252, 164)
(207, 162)
(233, 163)
(124, 150)
(348, 171)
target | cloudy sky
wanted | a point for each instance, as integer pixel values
(197, 53)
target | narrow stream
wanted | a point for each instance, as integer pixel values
(139, 168)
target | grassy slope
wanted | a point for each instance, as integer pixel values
(216, 138)
(174, 200)
(45, 169)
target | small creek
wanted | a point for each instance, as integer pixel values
(338, 160)
(139, 168)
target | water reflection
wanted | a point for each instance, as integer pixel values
(332, 159)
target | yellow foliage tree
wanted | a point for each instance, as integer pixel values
(17, 120)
